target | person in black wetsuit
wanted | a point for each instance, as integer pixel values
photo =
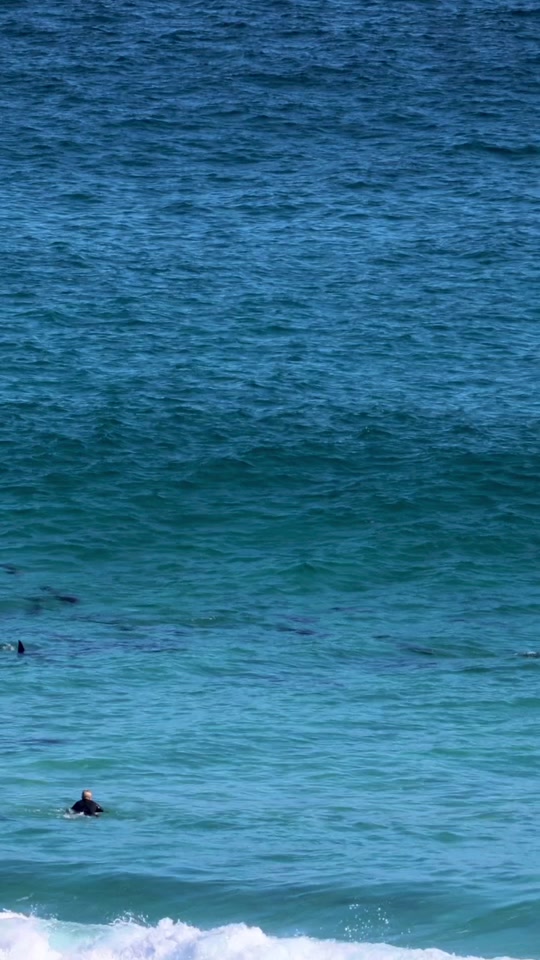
(86, 805)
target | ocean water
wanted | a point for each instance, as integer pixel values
(270, 462)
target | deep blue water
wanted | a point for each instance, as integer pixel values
(270, 462)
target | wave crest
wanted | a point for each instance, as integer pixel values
(29, 938)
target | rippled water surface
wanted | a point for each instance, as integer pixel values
(270, 461)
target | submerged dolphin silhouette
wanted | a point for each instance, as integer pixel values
(61, 597)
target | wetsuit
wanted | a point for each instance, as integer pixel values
(89, 807)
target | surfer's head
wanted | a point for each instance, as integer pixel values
(86, 795)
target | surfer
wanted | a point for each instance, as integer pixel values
(86, 805)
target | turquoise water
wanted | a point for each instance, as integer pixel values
(270, 461)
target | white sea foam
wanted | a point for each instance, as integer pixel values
(28, 938)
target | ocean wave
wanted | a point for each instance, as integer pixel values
(34, 939)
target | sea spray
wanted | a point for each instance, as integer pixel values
(23, 937)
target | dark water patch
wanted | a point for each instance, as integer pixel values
(300, 631)
(117, 623)
(421, 651)
(509, 151)
(301, 618)
(532, 12)
(34, 606)
(41, 741)
(47, 600)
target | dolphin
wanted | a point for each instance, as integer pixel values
(61, 597)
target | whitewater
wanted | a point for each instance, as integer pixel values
(22, 936)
